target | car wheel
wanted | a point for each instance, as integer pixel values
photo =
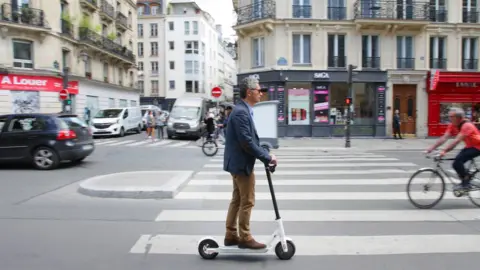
(139, 129)
(122, 132)
(45, 158)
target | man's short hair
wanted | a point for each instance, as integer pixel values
(458, 112)
(247, 83)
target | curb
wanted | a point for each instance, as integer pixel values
(92, 186)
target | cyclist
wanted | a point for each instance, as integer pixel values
(210, 122)
(464, 131)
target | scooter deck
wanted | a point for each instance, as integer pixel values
(236, 250)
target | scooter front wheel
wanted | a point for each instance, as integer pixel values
(202, 249)
(285, 255)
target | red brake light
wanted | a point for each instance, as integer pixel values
(66, 134)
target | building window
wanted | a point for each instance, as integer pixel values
(154, 48)
(258, 49)
(172, 65)
(470, 53)
(195, 27)
(301, 9)
(140, 30)
(171, 26)
(65, 58)
(141, 87)
(154, 10)
(196, 67)
(337, 10)
(105, 72)
(405, 52)
(188, 67)
(192, 87)
(140, 48)
(171, 45)
(154, 66)
(140, 10)
(336, 51)
(445, 108)
(438, 53)
(171, 85)
(140, 66)
(470, 11)
(370, 52)
(153, 29)
(203, 48)
(22, 54)
(187, 28)
(191, 47)
(154, 85)
(301, 49)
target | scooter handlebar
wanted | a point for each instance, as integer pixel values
(271, 167)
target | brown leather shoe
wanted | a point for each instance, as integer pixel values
(251, 244)
(228, 242)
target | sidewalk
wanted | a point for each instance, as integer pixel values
(356, 143)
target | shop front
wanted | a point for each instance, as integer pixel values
(32, 94)
(451, 89)
(312, 103)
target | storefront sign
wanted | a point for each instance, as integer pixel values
(466, 85)
(381, 104)
(281, 104)
(321, 75)
(35, 83)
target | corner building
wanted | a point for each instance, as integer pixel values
(300, 50)
(95, 39)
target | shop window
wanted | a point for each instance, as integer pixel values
(338, 110)
(22, 54)
(298, 100)
(364, 103)
(25, 101)
(320, 104)
(445, 108)
(410, 106)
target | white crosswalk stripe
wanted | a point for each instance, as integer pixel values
(332, 203)
(144, 143)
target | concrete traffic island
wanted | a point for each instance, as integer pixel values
(136, 185)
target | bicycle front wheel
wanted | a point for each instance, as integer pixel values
(210, 148)
(434, 180)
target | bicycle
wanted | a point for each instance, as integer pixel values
(439, 172)
(210, 144)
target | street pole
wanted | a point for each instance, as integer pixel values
(65, 106)
(349, 105)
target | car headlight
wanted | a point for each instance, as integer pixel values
(169, 124)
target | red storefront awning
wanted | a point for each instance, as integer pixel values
(437, 77)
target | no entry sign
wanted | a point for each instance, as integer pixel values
(216, 92)
(63, 94)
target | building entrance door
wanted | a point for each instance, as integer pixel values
(405, 100)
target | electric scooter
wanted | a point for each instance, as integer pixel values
(208, 247)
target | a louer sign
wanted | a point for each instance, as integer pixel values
(18, 81)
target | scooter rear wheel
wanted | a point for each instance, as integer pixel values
(202, 249)
(285, 255)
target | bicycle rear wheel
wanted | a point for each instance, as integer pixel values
(210, 148)
(474, 192)
(435, 180)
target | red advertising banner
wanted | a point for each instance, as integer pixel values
(35, 83)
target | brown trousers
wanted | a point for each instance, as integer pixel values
(243, 200)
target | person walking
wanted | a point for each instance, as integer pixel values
(242, 148)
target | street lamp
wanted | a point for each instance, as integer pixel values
(84, 56)
(348, 102)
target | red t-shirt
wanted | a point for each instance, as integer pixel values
(472, 134)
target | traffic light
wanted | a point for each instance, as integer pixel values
(67, 102)
(348, 101)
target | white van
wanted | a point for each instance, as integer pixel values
(186, 117)
(117, 121)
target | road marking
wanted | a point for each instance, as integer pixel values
(312, 182)
(140, 143)
(319, 196)
(326, 215)
(326, 245)
(330, 165)
(121, 142)
(326, 159)
(322, 172)
(220, 155)
(180, 144)
(163, 142)
(102, 142)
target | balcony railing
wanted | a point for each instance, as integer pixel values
(438, 15)
(470, 64)
(337, 13)
(301, 11)
(67, 28)
(337, 61)
(106, 8)
(259, 11)
(99, 41)
(371, 62)
(405, 63)
(470, 16)
(391, 10)
(121, 19)
(438, 63)
(25, 15)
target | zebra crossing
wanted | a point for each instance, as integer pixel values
(333, 202)
(144, 143)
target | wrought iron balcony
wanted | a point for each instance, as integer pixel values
(337, 13)
(88, 36)
(405, 63)
(89, 4)
(470, 64)
(67, 28)
(301, 11)
(438, 15)
(25, 15)
(391, 10)
(337, 61)
(438, 63)
(107, 9)
(259, 11)
(470, 16)
(121, 20)
(371, 62)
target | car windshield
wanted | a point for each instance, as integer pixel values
(144, 112)
(111, 113)
(189, 113)
(74, 122)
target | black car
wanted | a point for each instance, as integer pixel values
(45, 140)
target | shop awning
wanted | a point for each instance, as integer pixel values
(437, 77)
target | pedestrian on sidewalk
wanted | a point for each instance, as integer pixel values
(396, 125)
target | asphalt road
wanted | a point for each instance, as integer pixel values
(45, 224)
